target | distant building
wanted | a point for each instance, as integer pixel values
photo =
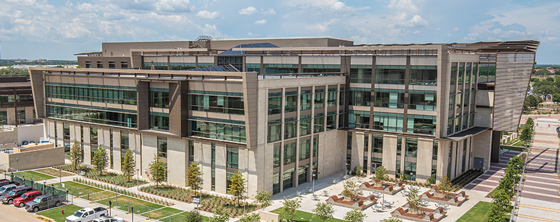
(283, 111)
(16, 101)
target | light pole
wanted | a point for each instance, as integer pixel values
(60, 174)
(17, 161)
(137, 178)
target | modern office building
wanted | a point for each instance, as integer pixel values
(16, 101)
(278, 110)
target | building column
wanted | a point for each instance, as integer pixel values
(29, 114)
(453, 159)
(116, 143)
(176, 161)
(442, 159)
(220, 169)
(87, 145)
(390, 154)
(424, 160)
(149, 150)
(12, 117)
(205, 152)
(357, 150)
(59, 134)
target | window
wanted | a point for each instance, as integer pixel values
(290, 103)
(304, 149)
(20, 115)
(302, 173)
(305, 125)
(124, 143)
(366, 144)
(410, 170)
(305, 100)
(191, 151)
(252, 67)
(216, 130)
(319, 98)
(276, 183)
(315, 146)
(274, 105)
(66, 137)
(319, 124)
(162, 149)
(218, 102)
(159, 121)
(94, 116)
(91, 93)
(360, 73)
(421, 124)
(274, 131)
(88, 64)
(159, 98)
(289, 153)
(232, 157)
(389, 74)
(279, 68)
(331, 122)
(360, 96)
(93, 141)
(377, 143)
(422, 100)
(358, 119)
(99, 64)
(111, 65)
(288, 178)
(290, 128)
(389, 98)
(236, 61)
(423, 75)
(331, 97)
(320, 68)
(3, 117)
(388, 121)
(124, 65)
(276, 157)
(411, 147)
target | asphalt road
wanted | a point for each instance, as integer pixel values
(9, 213)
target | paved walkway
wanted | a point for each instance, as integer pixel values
(491, 178)
(540, 195)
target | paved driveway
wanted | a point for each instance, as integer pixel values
(9, 213)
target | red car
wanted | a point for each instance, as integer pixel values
(26, 197)
(6, 182)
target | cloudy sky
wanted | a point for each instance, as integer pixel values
(57, 29)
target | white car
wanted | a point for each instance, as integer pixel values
(87, 214)
(108, 219)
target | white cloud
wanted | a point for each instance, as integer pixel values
(415, 21)
(260, 22)
(248, 11)
(269, 11)
(208, 14)
(455, 28)
(319, 5)
(173, 5)
(403, 4)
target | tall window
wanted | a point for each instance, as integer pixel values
(162, 149)
(304, 149)
(274, 130)
(319, 98)
(232, 157)
(289, 153)
(411, 147)
(124, 143)
(305, 125)
(276, 157)
(274, 105)
(93, 140)
(305, 99)
(159, 121)
(66, 134)
(377, 144)
(290, 102)
(159, 97)
(191, 151)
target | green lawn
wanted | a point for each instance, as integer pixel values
(56, 215)
(304, 216)
(35, 175)
(123, 202)
(77, 189)
(180, 218)
(160, 213)
(476, 213)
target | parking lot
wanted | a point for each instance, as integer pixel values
(9, 213)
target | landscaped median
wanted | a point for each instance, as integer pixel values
(32, 175)
(106, 177)
(56, 213)
(208, 203)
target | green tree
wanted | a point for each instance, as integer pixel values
(414, 200)
(501, 198)
(350, 189)
(290, 207)
(76, 154)
(496, 213)
(530, 122)
(100, 159)
(380, 174)
(79, 67)
(532, 101)
(158, 171)
(237, 186)
(323, 211)
(263, 198)
(526, 133)
(128, 164)
(445, 185)
(355, 215)
(254, 217)
(194, 216)
(220, 215)
(556, 98)
(392, 219)
(403, 177)
(194, 176)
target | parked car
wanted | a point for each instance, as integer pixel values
(6, 182)
(26, 197)
(87, 214)
(6, 188)
(108, 219)
(8, 198)
(44, 202)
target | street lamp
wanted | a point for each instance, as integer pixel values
(60, 174)
(17, 161)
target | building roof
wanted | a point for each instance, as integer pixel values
(467, 133)
(246, 46)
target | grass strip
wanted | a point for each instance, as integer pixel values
(56, 214)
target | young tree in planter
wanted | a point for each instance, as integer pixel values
(323, 211)
(194, 177)
(157, 170)
(128, 164)
(350, 189)
(445, 185)
(237, 186)
(501, 198)
(414, 200)
(100, 159)
(263, 198)
(355, 215)
(403, 177)
(380, 175)
(76, 154)
(496, 213)
(254, 217)
(194, 216)
(220, 215)
(290, 207)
